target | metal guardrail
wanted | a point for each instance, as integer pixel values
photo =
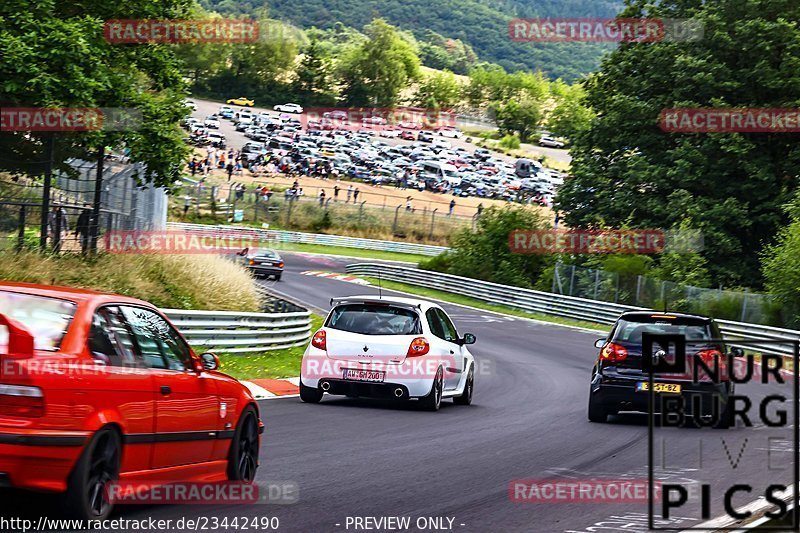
(235, 332)
(297, 237)
(546, 303)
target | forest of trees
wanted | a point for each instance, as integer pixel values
(464, 24)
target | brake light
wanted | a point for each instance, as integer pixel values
(613, 352)
(419, 346)
(252, 262)
(714, 357)
(280, 265)
(320, 340)
(17, 400)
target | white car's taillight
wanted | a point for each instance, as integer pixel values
(319, 340)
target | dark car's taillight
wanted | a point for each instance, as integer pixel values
(613, 352)
(22, 401)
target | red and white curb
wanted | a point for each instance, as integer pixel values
(270, 389)
(334, 275)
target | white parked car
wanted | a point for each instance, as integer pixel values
(190, 104)
(211, 121)
(390, 133)
(387, 347)
(453, 133)
(288, 108)
(550, 142)
(440, 144)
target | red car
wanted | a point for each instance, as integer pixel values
(408, 135)
(96, 388)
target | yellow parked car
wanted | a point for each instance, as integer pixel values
(241, 101)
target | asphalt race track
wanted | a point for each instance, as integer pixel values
(360, 458)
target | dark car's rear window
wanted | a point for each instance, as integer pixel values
(374, 319)
(47, 319)
(629, 331)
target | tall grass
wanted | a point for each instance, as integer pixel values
(168, 281)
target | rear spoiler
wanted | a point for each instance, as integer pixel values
(20, 340)
(371, 299)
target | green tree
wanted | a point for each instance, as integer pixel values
(781, 266)
(313, 75)
(53, 54)
(485, 253)
(570, 115)
(375, 73)
(521, 117)
(439, 90)
(731, 185)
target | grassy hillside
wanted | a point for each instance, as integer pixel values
(483, 24)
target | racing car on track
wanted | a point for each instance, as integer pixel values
(382, 347)
(98, 389)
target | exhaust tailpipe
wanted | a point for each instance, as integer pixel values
(325, 386)
(398, 392)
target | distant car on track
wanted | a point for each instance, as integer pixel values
(263, 262)
(388, 347)
(98, 388)
(618, 382)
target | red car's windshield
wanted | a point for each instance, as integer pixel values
(47, 319)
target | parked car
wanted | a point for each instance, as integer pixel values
(212, 121)
(425, 136)
(216, 139)
(453, 133)
(289, 108)
(387, 347)
(241, 101)
(550, 142)
(190, 104)
(124, 398)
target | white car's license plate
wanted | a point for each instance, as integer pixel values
(356, 374)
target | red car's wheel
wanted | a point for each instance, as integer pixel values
(98, 466)
(243, 457)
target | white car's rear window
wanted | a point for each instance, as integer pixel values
(375, 319)
(47, 319)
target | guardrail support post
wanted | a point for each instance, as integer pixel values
(433, 220)
(394, 224)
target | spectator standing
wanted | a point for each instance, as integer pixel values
(336, 193)
(322, 197)
(187, 203)
(452, 206)
(349, 193)
(82, 227)
(479, 211)
(57, 227)
(229, 169)
(356, 192)
(408, 203)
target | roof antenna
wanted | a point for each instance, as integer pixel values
(380, 289)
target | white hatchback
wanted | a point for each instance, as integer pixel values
(382, 347)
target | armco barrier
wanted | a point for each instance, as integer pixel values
(297, 237)
(555, 304)
(235, 332)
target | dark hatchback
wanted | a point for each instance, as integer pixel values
(265, 263)
(619, 382)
